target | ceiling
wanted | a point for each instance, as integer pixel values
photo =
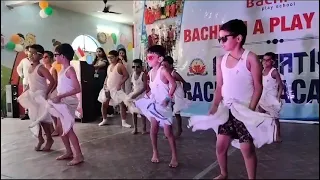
(91, 8)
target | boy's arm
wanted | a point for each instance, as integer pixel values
(45, 73)
(171, 80)
(20, 69)
(178, 77)
(256, 72)
(217, 94)
(123, 71)
(54, 74)
(71, 74)
(275, 74)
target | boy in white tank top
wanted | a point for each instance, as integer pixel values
(112, 91)
(29, 99)
(139, 87)
(64, 105)
(270, 101)
(157, 108)
(232, 114)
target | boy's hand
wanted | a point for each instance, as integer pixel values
(56, 99)
(213, 110)
(118, 87)
(165, 103)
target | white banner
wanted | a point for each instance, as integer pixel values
(288, 28)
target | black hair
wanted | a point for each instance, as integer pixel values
(113, 53)
(38, 48)
(66, 50)
(104, 56)
(125, 52)
(27, 47)
(157, 49)
(272, 55)
(168, 59)
(50, 54)
(138, 61)
(236, 27)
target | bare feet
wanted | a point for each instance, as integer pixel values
(173, 163)
(221, 177)
(55, 133)
(38, 147)
(48, 145)
(278, 139)
(144, 132)
(155, 158)
(76, 160)
(135, 131)
(65, 156)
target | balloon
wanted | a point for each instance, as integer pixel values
(120, 46)
(130, 46)
(43, 14)
(10, 45)
(114, 38)
(48, 11)
(15, 39)
(43, 4)
(18, 48)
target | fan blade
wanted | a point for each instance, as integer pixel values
(113, 12)
(108, 7)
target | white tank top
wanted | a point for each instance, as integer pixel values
(159, 90)
(237, 81)
(137, 83)
(37, 82)
(64, 83)
(270, 84)
(114, 77)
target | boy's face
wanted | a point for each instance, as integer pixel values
(267, 62)
(34, 56)
(26, 51)
(154, 59)
(228, 41)
(112, 59)
(166, 65)
(46, 59)
(137, 67)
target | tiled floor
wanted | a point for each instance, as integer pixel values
(111, 152)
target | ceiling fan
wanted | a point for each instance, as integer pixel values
(106, 8)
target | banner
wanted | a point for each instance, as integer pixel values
(288, 28)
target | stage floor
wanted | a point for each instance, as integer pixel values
(111, 152)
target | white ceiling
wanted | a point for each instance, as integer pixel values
(91, 8)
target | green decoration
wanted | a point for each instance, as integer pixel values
(48, 11)
(10, 45)
(75, 57)
(114, 38)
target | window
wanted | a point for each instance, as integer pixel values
(86, 43)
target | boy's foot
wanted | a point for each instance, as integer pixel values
(76, 160)
(25, 117)
(278, 139)
(155, 158)
(144, 132)
(103, 122)
(221, 177)
(55, 133)
(173, 163)
(110, 115)
(125, 124)
(38, 147)
(48, 145)
(65, 156)
(134, 132)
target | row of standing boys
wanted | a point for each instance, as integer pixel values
(158, 94)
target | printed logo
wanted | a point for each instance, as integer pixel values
(270, 4)
(197, 67)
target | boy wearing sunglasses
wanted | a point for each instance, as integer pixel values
(157, 108)
(139, 87)
(232, 114)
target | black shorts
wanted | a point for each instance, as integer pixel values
(235, 129)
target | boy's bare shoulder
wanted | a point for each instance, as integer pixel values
(252, 57)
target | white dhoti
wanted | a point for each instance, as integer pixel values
(152, 109)
(35, 102)
(271, 105)
(260, 126)
(116, 97)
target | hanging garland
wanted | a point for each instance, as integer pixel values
(46, 10)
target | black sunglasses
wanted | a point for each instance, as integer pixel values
(55, 55)
(133, 67)
(225, 38)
